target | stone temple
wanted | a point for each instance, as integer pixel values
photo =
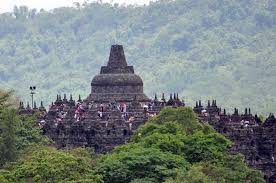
(114, 109)
(117, 106)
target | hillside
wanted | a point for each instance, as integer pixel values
(201, 49)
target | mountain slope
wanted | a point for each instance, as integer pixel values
(203, 50)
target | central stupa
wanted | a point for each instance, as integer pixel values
(117, 80)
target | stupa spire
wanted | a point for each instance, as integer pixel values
(117, 57)
(117, 62)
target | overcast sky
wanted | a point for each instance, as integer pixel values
(7, 5)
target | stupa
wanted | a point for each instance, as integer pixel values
(117, 81)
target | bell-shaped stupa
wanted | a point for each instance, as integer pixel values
(117, 80)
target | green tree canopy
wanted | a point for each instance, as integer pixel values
(46, 164)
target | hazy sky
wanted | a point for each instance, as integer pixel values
(7, 5)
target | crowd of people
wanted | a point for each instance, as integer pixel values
(80, 110)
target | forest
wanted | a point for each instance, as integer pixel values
(215, 49)
(172, 147)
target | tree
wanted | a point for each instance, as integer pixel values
(7, 129)
(46, 164)
(138, 163)
(7, 136)
(201, 147)
(4, 99)
(16, 132)
(183, 116)
(28, 134)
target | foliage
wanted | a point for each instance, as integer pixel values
(150, 128)
(7, 99)
(200, 147)
(7, 136)
(230, 169)
(16, 132)
(46, 164)
(194, 175)
(4, 96)
(24, 158)
(201, 49)
(140, 163)
(182, 115)
(28, 134)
